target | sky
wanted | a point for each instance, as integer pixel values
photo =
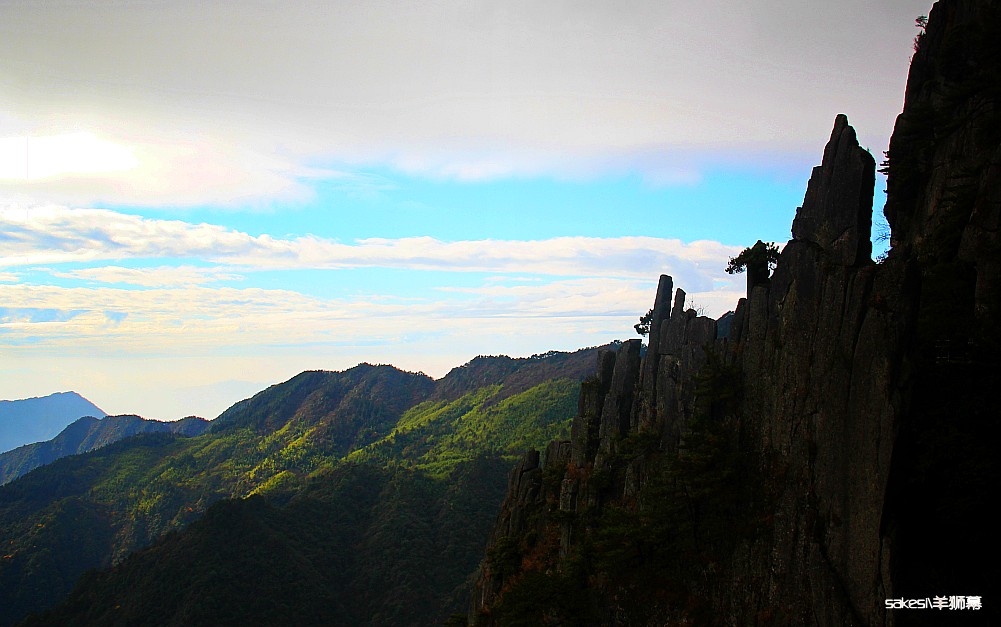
(198, 200)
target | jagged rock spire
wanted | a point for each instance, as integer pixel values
(837, 210)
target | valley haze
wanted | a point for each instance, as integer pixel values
(199, 201)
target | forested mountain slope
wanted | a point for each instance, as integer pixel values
(433, 456)
(86, 434)
(360, 544)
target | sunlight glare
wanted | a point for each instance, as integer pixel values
(33, 158)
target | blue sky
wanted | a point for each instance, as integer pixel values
(199, 201)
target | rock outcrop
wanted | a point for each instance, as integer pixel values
(802, 464)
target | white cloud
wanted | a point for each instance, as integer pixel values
(176, 320)
(196, 320)
(157, 167)
(191, 336)
(229, 102)
(30, 159)
(161, 276)
(250, 103)
(53, 234)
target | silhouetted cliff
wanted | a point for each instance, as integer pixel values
(829, 453)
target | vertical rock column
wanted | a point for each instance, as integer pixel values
(815, 357)
(644, 410)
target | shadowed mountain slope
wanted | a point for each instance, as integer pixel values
(434, 464)
(86, 434)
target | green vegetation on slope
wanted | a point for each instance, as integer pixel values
(87, 434)
(354, 546)
(440, 452)
(435, 435)
(137, 489)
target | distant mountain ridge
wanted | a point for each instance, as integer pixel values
(86, 434)
(37, 419)
(430, 456)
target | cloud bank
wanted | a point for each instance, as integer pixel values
(243, 102)
(111, 281)
(38, 235)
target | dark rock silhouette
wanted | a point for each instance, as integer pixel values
(859, 400)
(844, 180)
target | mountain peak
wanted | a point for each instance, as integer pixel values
(40, 418)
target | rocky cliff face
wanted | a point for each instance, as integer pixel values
(828, 453)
